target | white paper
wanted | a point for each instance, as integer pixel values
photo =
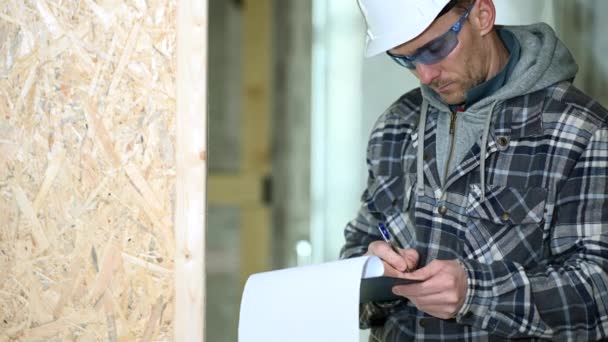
(373, 268)
(310, 303)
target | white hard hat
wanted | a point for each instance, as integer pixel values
(391, 23)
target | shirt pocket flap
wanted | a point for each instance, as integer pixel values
(385, 193)
(507, 205)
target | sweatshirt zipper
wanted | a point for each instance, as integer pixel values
(453, 117)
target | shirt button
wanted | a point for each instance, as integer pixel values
(505, 216)
(442, 210)
(502, 141)
(422, 323)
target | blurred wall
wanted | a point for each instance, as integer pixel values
(522, 12)
(582, 26)
(336, 142)
(224, 115)
(291, 126)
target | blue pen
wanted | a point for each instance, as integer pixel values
(387, 237)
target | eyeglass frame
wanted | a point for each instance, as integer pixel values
(409, 61)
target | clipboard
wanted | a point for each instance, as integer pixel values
(380, 289)
(375, 286)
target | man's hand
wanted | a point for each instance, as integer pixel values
(442, 290)
(394, 264)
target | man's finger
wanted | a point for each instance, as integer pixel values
(411, 257)
(390, 271)
(425, 272)
(383, 250)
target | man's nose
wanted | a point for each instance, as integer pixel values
(427, 73)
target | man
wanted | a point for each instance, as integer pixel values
(491, 177)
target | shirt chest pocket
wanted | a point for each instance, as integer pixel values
(505, 225)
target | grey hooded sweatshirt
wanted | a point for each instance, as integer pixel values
(543, 61)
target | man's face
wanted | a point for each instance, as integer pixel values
(459, 71)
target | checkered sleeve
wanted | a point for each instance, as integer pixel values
(566, 298)
(358, 235)
(383, 158)
(385, 184)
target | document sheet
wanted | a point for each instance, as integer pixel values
(308, 303)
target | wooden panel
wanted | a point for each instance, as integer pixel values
(87, 171)
(190, 204)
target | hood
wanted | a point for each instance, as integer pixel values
(544, 60)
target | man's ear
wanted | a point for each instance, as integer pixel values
(483, 16)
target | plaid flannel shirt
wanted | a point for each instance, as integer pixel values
(535, 248)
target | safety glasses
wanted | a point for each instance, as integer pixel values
(435, 50)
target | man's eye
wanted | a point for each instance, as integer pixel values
(435, 46)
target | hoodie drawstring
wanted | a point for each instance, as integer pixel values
(420, 156)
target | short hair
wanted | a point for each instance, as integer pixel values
(459, 5)
(462, 5)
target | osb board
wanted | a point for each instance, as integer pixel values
(87, 171)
